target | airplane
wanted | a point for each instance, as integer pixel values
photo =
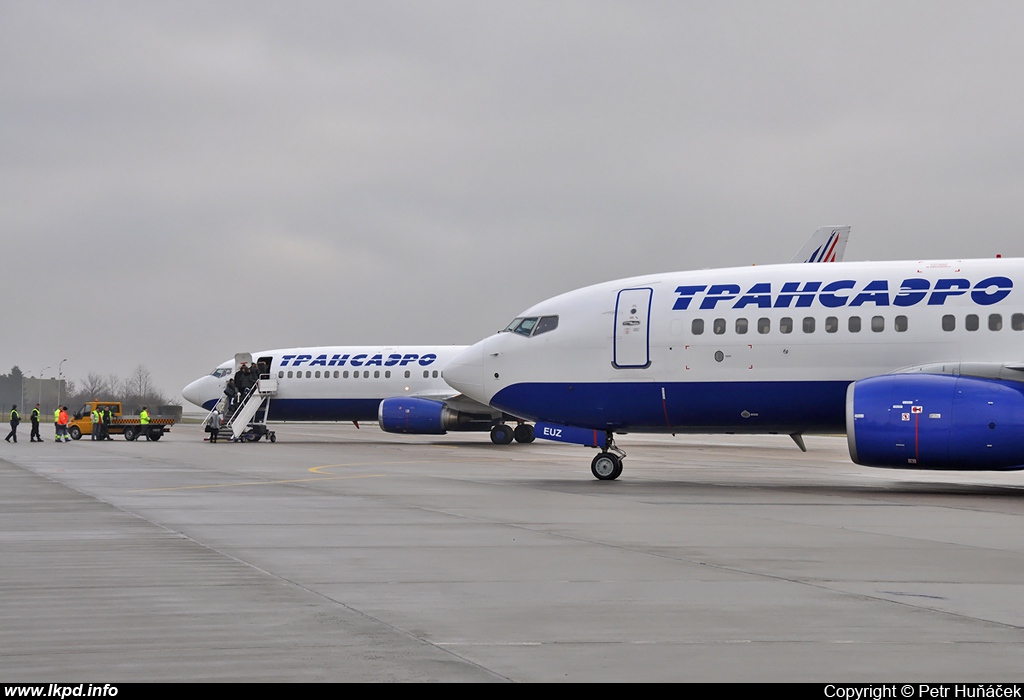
(920, 363)
(400, 387)
(826, 245)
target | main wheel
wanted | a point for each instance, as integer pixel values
(524, 433)
(129, 433)
(606, 466)
(75, 432)
(501, 434)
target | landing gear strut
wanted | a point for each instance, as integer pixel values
(607, 465)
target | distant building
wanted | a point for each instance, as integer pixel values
(26, 392)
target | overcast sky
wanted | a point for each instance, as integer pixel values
(180, 181)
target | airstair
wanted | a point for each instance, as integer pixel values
(251, 414)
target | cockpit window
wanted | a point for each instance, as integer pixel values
(546, 324)
(221, 371)
(533, 325)
(525, 326)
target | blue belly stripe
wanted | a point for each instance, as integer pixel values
(754, 407)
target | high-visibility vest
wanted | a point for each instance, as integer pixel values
(35, 415)
(56, 415)
(144, 417)
(14, 415)
(95, 417)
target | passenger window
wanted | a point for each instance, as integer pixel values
(971, 322)
(344, 375)
(854, 324)
(408, 374)
(831, 324)
(785, 325)
(435, 374)
(949, 322)
(808, 324)
(317, 374)
(719, 326)
(308, 374)
(900, 324)
(280, 374)
(995, 322)
(877, 324)
(1017, 322)
(289, 374)
(426, 374)
(764, 325)
(376, 374)
(697, 327)
(741, 326)
(366, 374)
(546, 324)
(387, 374)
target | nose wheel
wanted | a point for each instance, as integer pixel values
(606, 466)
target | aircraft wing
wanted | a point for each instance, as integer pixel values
(828, 244)
(456, 401)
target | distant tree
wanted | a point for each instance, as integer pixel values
(96, 386)
(134, 392)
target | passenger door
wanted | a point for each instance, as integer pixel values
(632, 329)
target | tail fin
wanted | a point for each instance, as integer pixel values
(826, 245)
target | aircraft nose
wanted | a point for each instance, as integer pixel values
(465, 373)
(194, 393)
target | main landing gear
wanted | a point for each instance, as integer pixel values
(607, 465)
(503, 434)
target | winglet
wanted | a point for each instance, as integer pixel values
(826, 245)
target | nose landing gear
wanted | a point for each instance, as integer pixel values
(607, 465)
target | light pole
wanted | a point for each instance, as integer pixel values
(39, 380)
(60, 375)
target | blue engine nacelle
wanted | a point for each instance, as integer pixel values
(407, 414)
(933, 421)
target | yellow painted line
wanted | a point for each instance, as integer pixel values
(316, 470)
(321, 476)
(257, 483)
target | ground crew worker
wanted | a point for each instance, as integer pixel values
(56, 424)
(94, 416)
(107, 418)
(144, 420)
(62, 425)
(34, 437)
(15, 419)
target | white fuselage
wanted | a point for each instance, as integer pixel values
(338, 383)
(751, 349)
